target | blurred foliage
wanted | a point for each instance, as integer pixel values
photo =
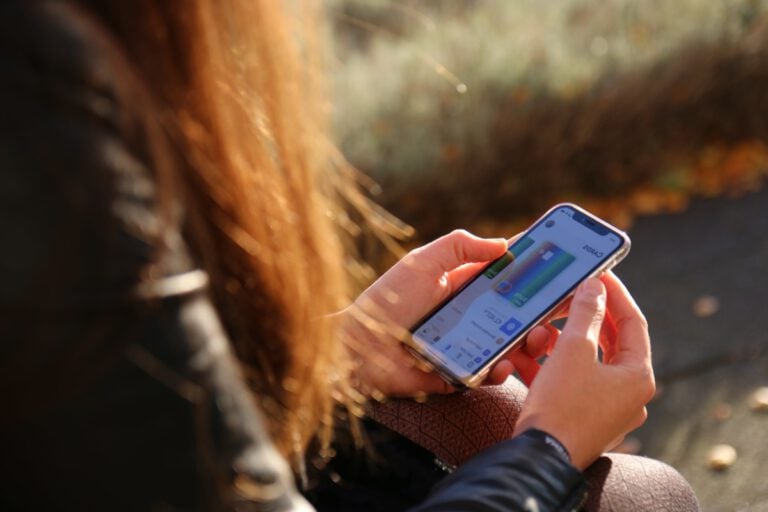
(477, 113)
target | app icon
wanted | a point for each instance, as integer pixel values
(510, 326)
(486, 352)
(478, 359)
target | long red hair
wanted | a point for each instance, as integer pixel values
(237, 87)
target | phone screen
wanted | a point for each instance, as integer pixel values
(516, 291)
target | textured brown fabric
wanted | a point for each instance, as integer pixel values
(455, 427)
(620, 482)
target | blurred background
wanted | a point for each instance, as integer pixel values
(481, 114)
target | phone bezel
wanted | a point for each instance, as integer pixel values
(480, 374)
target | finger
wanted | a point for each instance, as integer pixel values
(554, 334)
(537, 342)
(514, 239)
(460, 275)
(585, 317)
(457, 248)
(526, 367)
(419, 375)
(425, 383)
(608, 337)
(500, 372)
(622, 304)
(536, 345)
(633, 341)
(434, 385)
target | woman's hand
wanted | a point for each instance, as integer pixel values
(378, 321)
(586, 404)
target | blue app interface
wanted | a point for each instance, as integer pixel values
(513, 293)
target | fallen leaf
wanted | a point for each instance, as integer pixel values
(721, 457)
(758, 402)
(706, 305)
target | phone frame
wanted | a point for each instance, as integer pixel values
(479, 376)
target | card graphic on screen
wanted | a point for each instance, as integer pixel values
(525, 280)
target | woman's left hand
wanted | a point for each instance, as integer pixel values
(378, 321)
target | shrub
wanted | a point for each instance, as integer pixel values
(475, 112)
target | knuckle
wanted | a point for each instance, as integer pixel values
(599, 315)
(650, 389)
(588, 308)
(459, 239)
(640, 419)
(459, 233)
(644, 383)
(584, 301)
(643, 415)
(642, 320)
(413, 256)
(649, 380)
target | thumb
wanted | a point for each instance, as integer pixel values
(457, 248)
(586, 315)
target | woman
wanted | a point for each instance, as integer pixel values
(171, 267)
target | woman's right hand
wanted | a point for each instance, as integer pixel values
(589, 405)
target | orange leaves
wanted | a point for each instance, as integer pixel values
(717, 170)
(643, 200)
(731, 171)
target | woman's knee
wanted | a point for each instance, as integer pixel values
(620, 483)
(457, 426)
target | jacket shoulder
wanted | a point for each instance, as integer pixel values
(78, 187)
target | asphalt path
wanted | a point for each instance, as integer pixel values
(701, 277)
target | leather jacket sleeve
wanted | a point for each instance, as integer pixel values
(521, 474)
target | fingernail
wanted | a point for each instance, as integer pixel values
(592, 286)
(500, 242)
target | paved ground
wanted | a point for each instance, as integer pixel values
(707, 367)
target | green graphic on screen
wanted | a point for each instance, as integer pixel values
(528, 277)
(512, 254)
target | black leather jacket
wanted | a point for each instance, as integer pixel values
(119, 398)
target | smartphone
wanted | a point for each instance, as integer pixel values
(493, 312)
